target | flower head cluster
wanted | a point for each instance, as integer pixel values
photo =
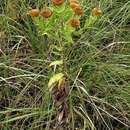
(45, 13)
(78, 10)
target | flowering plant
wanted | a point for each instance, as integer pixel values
(57, 22)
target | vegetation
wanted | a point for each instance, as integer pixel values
(64, 65)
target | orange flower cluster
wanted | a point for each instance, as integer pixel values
(45, 13)
(78, 10)
(58, 2)
(96, 11)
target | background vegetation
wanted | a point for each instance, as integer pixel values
(98, 67)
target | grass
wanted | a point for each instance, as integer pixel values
(97, 63)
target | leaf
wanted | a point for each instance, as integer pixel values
(20, 117)
(89, 22)
(61, 116)
(57, 62)
(2, 35)
(41, 24)
(59, 9)
(61, 83)
(55, 78)
(68, 33)
(56, 47)
(68, 14)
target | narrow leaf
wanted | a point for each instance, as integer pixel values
(57, 62)
(55, 78)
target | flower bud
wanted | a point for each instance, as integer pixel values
(96, 11)
(46, 13)
(74, 5)
(78, 10)
(74, 22)
(33, 12)
(58, 2)
(74, 1)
